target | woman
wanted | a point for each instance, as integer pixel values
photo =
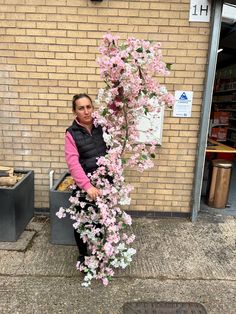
(84, 143)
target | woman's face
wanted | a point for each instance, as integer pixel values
(83, 111)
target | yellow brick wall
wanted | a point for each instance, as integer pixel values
(48, 52)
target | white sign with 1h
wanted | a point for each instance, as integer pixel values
(200, 11)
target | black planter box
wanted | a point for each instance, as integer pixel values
(62, 231)
(16, 207)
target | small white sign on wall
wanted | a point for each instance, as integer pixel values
(183, 104)
(150, 126)
(200, 11)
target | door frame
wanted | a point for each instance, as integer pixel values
(206, 105)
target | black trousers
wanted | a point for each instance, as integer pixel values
(82, 247)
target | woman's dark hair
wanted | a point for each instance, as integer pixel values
(79, 96)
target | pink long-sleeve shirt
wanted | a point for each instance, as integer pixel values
(74, 166)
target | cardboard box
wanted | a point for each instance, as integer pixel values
(221, 117)
(219, 134)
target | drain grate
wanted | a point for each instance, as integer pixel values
(163, 308)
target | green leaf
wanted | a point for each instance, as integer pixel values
(139, 49)
(128, 59)
(123, 161)
(168, 65)
(123, 47)
(104, 112)
(144, 157)
(153, 155)
(146, 110)
(152, 95)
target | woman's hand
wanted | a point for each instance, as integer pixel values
(93, 193)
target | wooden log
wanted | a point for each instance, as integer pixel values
(8, 181)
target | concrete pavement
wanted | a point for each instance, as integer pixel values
(176, 260)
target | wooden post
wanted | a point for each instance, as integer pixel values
(219, 189)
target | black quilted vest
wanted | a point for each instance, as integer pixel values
(90, 146)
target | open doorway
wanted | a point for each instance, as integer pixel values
(218, 193)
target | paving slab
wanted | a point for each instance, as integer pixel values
(178, 248)
(49, 295)
(176, 260)
(21, 244)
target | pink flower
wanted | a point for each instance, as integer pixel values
(108, 248)
(130, 239)
(105, 281)
(127, 219)
(61, 213)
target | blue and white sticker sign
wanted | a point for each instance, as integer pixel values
(200, 11)
(183, 104)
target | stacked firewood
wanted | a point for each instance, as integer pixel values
(8, 177)
(66, 184)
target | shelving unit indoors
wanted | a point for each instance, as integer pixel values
(223, 116)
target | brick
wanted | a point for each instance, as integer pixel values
(158, 37)
(15, 16)
(68, 83)
(46, 69)
(56, 48)
(26, 68)
(186, 60)
(181, 52)
(139, 5)
(35, 17)
(87, 42)
(18, 46)
(197, 53)
(38, 75)
(15, 31)
(98, 19)
(36, 61)
(25, 24)
(70, 26)
(48, 122)
(148, 13)
(134, 21)
(68, 55)
(46, 25)
(46, 9)
(128, 13)
(25, 8)
(40, 115)
(66, 10)
(159, 21)
(58, 90)
(87, 26)
(45, 40)
(5, 23)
